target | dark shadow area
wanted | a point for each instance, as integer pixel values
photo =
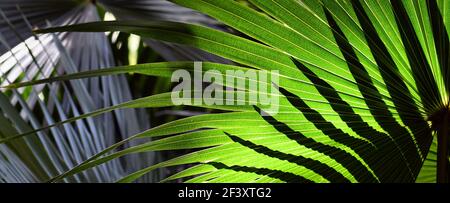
(356, 168)
(385, 145)
(396, 86)
(380, 150)
(441, 40)
(284, 176)
(421, 70)
(320, 168)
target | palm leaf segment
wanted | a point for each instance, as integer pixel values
(359, 82)
(25, 56)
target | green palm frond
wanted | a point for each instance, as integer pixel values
(363, 90)
(25, 56)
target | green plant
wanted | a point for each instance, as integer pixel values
(363, 89)
(25, 56)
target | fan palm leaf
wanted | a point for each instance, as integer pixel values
(363, 89)
(25, 56)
